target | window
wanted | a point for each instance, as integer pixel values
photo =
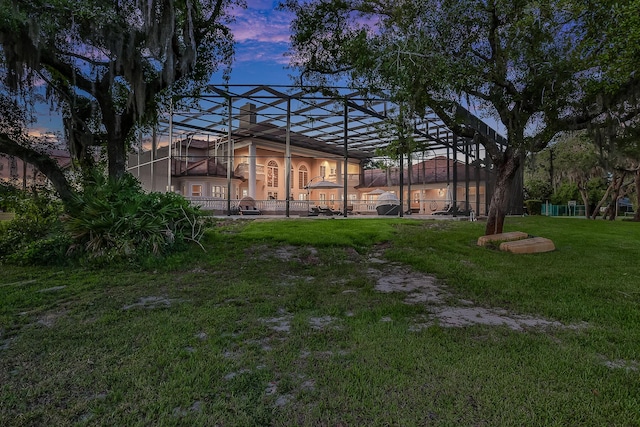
(272, 195)
(323, 171)
(272, 174)
(302, 196)
(218, 191)
(303, 177)
(196, 190)
(323, 197)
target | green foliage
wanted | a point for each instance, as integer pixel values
(149, 52)
(567, 191)
(114, 218)
(35, 234)
(9, 195)
(49, 250)
(522, 62)
(109, 220)
(537, 189)
(534, 207)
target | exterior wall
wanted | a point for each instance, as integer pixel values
(268, 187)
(196, 180)
(141, 167)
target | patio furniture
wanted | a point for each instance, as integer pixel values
(388, 204)
(325, 210)
(247, 206)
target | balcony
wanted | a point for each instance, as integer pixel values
(242, 170)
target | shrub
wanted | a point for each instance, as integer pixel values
(50, 250)
(537, 189)
(9, 195)
(116, 219)
(37, 218)
(534, 207)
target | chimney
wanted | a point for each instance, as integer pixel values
(247, 115)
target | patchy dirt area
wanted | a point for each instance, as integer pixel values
(151, 302)
(444, 308)
(627, 365)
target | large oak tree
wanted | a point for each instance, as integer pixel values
(109, 66)
(614, 30)
(528, 64)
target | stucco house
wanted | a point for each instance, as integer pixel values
(288, 168)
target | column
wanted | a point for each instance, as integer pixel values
(252, 170)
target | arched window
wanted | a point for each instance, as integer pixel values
(272, 174)
(303, 177)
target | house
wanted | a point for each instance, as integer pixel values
(24, 175)
(259, 159)
(216, 170)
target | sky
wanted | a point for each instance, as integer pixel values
(262, 37)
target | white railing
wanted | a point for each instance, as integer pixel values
(210, 203)
(279, 207)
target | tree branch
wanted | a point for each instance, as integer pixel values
(45, 164)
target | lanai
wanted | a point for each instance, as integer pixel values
(343, 123)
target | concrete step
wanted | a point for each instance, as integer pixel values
(501, 237)
(528, 246)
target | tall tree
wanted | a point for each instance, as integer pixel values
(577, 161)
(614, 34)
(109, 65)
(526, 62)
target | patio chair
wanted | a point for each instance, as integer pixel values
(247, 206)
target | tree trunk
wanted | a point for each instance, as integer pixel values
(584, 193)
(500, 200)
(119, 125)
(617, 194)
(594, 214)
(45, 164)
(116, 154)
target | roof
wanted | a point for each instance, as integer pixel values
(429, 171)
(315, 120)
(204, 167)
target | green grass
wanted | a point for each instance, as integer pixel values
(76, 350)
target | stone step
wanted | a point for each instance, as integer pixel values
(502, 237)
(528, 246)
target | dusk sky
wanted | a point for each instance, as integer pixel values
(262, 37)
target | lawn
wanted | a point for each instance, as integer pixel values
(334, 322)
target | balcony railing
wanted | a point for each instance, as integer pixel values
(243, 170)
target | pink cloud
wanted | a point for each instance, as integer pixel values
(261, 51)
(260, 22)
